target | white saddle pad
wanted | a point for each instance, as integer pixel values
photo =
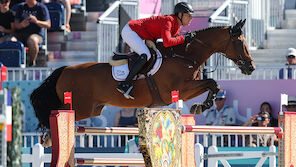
(119, 73)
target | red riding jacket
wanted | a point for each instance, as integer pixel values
(152, 28)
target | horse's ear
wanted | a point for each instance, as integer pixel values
(240, 24)
(243, 23)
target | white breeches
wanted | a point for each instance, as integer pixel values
(134, 41)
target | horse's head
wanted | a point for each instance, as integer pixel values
(237, 49)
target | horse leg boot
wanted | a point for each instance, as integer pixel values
(125, 87)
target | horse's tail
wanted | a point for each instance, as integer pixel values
(45, 98)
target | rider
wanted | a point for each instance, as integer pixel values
(166, 27)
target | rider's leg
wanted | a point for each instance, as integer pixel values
(137, 44)
(126, 87)
(134, 41)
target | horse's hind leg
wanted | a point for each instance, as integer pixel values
(208, 103)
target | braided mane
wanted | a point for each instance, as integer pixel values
(209, 28)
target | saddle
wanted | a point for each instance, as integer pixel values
(122, 58)
(119, 59)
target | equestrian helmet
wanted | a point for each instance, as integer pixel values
(183, 7)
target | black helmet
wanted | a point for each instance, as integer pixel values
(183, 7)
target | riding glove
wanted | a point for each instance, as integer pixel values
(189, 36)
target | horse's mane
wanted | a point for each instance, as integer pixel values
(198, 36)
(209, 28)
(183, 47)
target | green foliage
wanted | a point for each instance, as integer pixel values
(14, 148)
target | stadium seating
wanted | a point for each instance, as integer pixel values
(12, 54)
(57, 15)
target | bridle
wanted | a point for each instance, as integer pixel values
(233, 39)
(240, 62)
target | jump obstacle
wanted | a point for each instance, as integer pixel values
(160, 134)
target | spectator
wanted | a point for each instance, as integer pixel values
(262, 120)
(67, 6)
(290, 56)
(127, 117)
(30, 20)
(266, 107)
(7, 22)
(291, 107)
(221, 114)
(14, 2)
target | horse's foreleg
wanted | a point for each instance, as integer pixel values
(208, 103)
(200, 87)
(213, 90)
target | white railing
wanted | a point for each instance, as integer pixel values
(213, 156)
(83, 140)
(101, 141)
(167, 6)
(27, 74)
(38, 158)
(30, 139)
(260, 16)
(219, 73)
(231, 140)
(113, 141)
(261, 73)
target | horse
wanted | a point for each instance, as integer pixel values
(93, 86)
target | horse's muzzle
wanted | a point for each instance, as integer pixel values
(248, 68)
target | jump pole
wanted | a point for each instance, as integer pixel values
(63, 127)
(63, 132)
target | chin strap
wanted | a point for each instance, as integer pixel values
(180, 18)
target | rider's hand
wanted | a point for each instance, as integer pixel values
(189, 36)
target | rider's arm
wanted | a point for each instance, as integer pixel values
(166, 35)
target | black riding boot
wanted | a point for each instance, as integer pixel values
(125, 87)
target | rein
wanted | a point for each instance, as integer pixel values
(194, 62)
(229, 40)
(232, 34)
(211, 48)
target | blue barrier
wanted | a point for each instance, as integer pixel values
(246, 162)
(30, 121)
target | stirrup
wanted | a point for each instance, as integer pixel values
(127, 93)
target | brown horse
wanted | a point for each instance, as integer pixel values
(93, 86)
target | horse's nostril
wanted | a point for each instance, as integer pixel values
(251, 67)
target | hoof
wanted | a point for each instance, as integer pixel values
(46, 139)
(197, 109)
